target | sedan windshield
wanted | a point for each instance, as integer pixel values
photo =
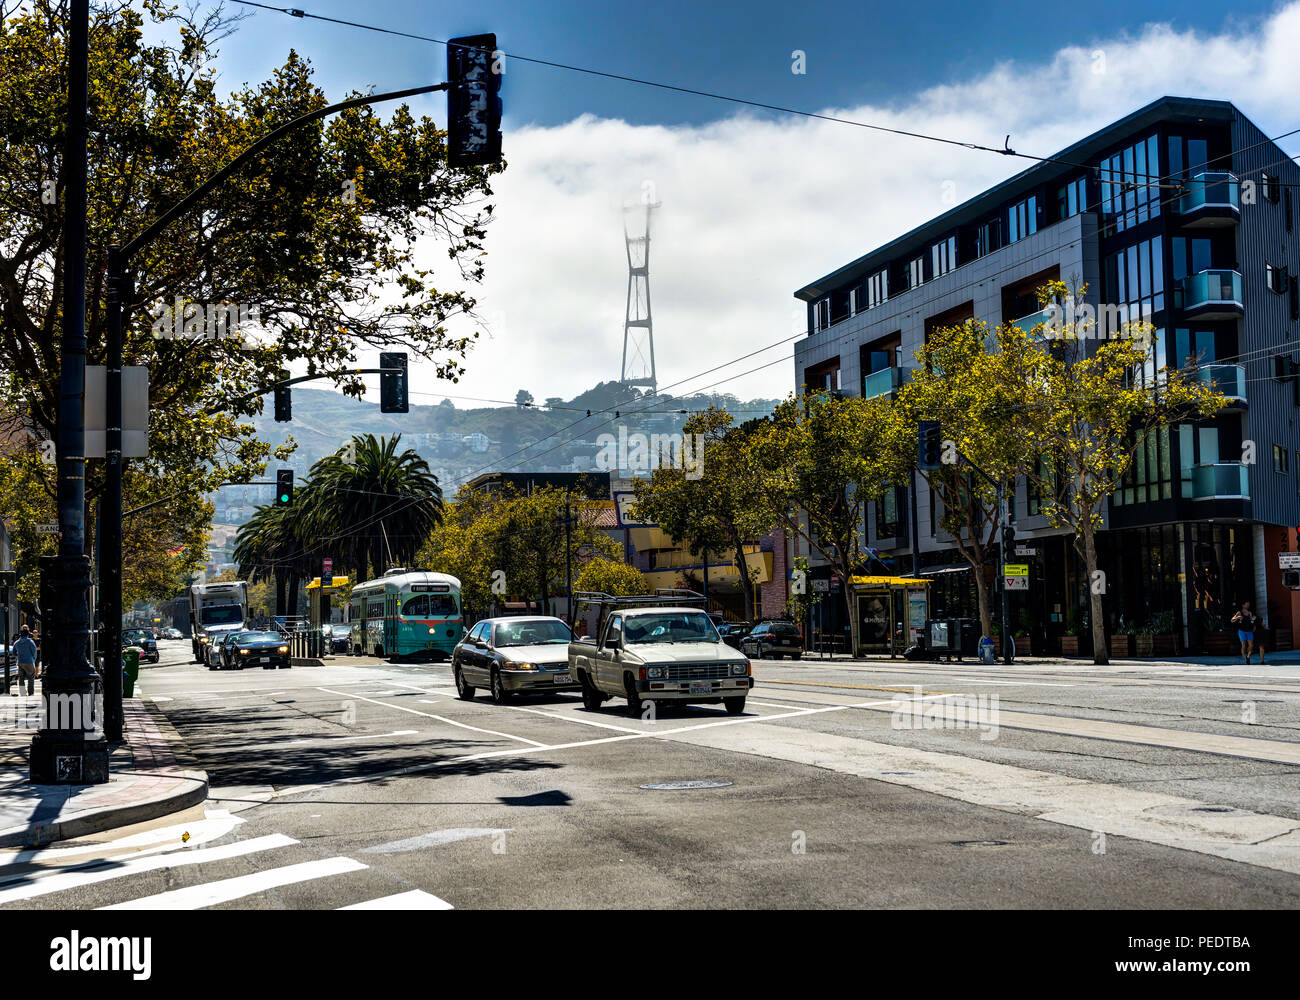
(258, 637)
(674, 627)
(532, 633)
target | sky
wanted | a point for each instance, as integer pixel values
(755, 203)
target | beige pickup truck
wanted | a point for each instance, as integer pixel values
(655, 649)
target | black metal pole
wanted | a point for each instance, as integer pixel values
(110, 507)
(60, 752)
(1002, 550)
(568, 564)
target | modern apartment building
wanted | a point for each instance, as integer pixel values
(1182, 213)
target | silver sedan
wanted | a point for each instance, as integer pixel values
(510, 656)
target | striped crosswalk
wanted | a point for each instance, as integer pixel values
(129, 877)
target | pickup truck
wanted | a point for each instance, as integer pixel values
(659, 654)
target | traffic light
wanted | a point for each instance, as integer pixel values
(474, 68)
(283, 404)
(1291, 579)
(929, 445)
(284, 488)
(1008, 541)
(392, 383)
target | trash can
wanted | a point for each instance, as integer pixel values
(130, 670)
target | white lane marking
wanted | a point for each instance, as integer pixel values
(1153, 817)
(331, 740)
(211, 893)
(565, 718)
(398, 772)
(430, 715)
(34, 884)
(434, 839)
(216, 823)
(416, 899)
(427, 701)
(158, 697)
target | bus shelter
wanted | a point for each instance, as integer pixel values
(889, 613)
(320, 604)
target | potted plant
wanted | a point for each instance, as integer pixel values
(1218, 640)
(1021, 636)
(1162, 634)
(1121, 644)
(1070, 640)
(1145, 643)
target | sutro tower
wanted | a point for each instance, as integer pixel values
(638, 329)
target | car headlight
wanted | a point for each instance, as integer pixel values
(654, 673)
(520, 666)
(739, 669)
(243, 652)
(283, 649)
(203, 639)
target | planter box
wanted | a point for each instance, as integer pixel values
(1222, 643)
(1144, 645)
(1165, 644)
(1121, 645)
(1069, 645)
(1024, 645)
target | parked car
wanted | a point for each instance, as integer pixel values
(143, 638)
(733, 632)
(510, 656)
(340, 638)
(773, 639)
(173, 633)
(267, 650)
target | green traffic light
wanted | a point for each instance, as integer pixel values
(284, 498)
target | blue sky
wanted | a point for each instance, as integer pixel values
(857, 53)
(756, 205)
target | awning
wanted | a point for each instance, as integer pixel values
(950, 568)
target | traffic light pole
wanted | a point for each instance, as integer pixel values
(60, 752)
(71, 425)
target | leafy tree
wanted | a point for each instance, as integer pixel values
(610, 576)
(719, 503)
(270, 549)
(463, 544)
(970, 379)
(1090, 414)
(314, 234)
(523, 398)
(823, 458)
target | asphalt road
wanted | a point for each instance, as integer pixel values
(843, 785)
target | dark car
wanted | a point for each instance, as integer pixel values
(773, 639)
(267, 650)
(514, 655)
(213, 651)
(733, 632)
(339, 638)
(143, 638)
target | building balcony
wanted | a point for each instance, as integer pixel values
(1220, 481)
(885, 381)
(1210, 294)
(1227, 379)
(1212, 199)
(1027, 324)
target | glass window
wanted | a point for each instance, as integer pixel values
(532, 632)
(1197, 156)
(1280, 456)
(916, 271)
(417, 606)
(943, 256)
(877, 289)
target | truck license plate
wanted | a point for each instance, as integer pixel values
(701, 687)
(561, 678)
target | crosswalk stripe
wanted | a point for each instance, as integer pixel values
(416, 899)
(33, 884)
(223, 891)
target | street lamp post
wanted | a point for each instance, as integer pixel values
(68, 750)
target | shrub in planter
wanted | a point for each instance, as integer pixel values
(1145, 644)
(1069, 645)
(1121, 644)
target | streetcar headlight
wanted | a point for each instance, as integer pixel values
(432, 630)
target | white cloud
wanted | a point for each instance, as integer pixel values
(755, 207)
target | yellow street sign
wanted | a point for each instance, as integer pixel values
(1016, 569)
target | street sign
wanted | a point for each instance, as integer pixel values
(1288, 560)
(327, 572)
(821, 586)
(48, 529)
(135, 411)
(1026, 550)
(1015, 582)
(1016, 569)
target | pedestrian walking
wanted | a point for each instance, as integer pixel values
(25, 654)
(1247, 623)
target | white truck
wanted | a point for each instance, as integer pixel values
(215, 609)
(657, 649)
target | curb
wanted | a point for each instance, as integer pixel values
(193, 791)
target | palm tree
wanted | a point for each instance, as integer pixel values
(375, 511)
(270, 548)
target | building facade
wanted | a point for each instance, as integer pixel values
(1181, 214)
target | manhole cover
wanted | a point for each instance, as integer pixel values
(980, 843)
(1212, 809)
(672, 785)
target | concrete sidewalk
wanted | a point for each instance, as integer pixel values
(151, 774)
(1286, 658)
